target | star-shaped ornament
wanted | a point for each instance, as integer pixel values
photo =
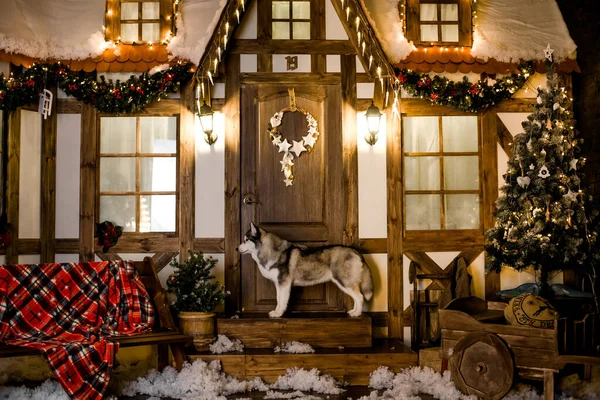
(531, 167)
(309, 140)
(571, 195)
(284, 146)
(548, 52)
(288, 182)
(298, 148)
(276, 141)
(573, 163)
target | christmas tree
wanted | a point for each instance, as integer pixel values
(196, 289)
(544, 218)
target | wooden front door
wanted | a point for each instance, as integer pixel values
(312, 210)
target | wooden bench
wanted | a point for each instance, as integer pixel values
(164, 333)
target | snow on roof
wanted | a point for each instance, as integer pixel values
(506, 31)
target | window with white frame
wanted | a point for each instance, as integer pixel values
(441, 173)
(439, 22)
(137, 183)
(139, 21)
(291, 20)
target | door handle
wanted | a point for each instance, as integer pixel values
(248, 200)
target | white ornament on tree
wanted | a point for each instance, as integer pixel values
(531, 167)
(539, 100)
(573, 163)
(572, 196)
(544, 172)
(548, 51)
(523, 181)
(556, 106)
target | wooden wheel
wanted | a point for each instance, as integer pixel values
(482, 365)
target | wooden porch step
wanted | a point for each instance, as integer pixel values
(319, 330)
(351, 365)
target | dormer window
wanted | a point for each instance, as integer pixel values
(139, 21)
(439, 22)
(291, 20)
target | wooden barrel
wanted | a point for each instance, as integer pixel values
(199, 325)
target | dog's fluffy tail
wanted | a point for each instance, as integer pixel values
(366, 283)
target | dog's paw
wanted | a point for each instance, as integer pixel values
(353, 313)
(275, 314)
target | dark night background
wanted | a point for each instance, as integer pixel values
(584, 26)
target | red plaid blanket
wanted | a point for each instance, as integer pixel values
(69, 311)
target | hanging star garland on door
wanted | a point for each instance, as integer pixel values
(294, 150)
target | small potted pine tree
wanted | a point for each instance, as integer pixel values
(198, 293)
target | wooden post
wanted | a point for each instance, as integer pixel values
(264, 32)
(350, 152)
(231, 109)
(12, 184)
(48, 206)
(187, 170)
(87, 183)
(318, 61)
(489, 168)
(394, 225)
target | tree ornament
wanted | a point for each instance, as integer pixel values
(571, 196)
(531, 167)
(573, 164)
(544, 172)
(539, 100)
(298, 147)
(548, 51)
(523, 181)
(543, 153)
(556, 106)
(530, 145)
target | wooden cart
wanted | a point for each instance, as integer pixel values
(484, 353)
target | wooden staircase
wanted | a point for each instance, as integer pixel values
(343, 347)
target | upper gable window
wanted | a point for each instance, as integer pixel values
(139, 21)
(291, 20)
(439, 22)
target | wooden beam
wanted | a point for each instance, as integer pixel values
(264, 33)
(489, 185)
(12, 184)
(372, 246)
(161, 260)
(318, 33)
(428, 266)
(87, 183)
(210, 245)
(413, 243)
(268, 46)
(187, 170)
(110, 256)
(233, 234)
(422, 107)
(524, 105)
(293, 78)
(350, 150)
(68, 106)
(505, 139)
(469, 255)
(48, 187)
(394, 225)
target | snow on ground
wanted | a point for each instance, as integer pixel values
(294, 347)
(202, 381)
(225, 345)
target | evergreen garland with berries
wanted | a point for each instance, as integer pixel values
(544, 217)
(196, 289)
(464, 95)
(106, 96)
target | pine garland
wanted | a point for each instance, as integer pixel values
(545, 219)
(464, 95)
(110, 97)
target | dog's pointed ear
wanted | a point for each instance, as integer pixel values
(253, 229)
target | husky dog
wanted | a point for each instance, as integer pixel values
(288, 265)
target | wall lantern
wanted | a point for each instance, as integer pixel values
(373, 121)
(206, 120)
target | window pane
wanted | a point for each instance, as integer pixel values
(129, 11)
(157, 213)
(423, 212)
(462, 211)
(281, 10)
(159, 134)
(117, 174)
(129, 33)
(449, 33)
(150, 10)
(301, 30)
(429, 33)
(460, 134)
(429, 12)
(422, 173)
(151, 32)
(281, 30)
(117, 135)
(421, 134)
(461, 173)
(449, 12)
(158, 174)
(301, 10)
(120, 210)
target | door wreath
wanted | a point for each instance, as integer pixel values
(297, 147)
